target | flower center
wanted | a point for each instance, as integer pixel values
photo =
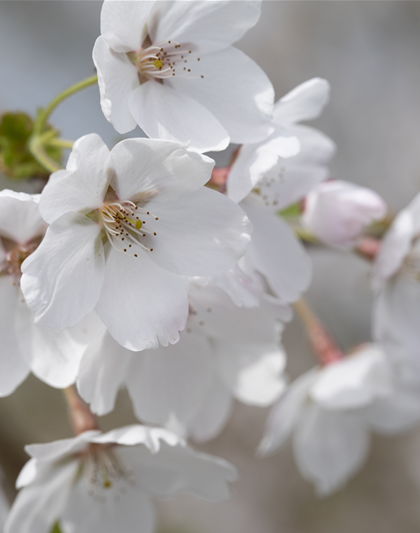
(124, 227)
(105, 471)
(163, 60)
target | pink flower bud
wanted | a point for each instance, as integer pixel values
(336, 212)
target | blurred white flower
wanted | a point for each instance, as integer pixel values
(330, 411)
(337, 212)
(396, 278)
(53, 356)
(225, 353)
(264, 182)
(126, 226)
(286, 166)
(104, 482)
(169, 67)
(4, 504)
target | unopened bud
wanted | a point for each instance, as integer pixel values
(337, 212)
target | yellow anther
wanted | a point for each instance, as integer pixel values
(158, 63)
(136, 223)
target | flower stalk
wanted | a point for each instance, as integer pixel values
(80, 415)
(323, 345)
(39, 140)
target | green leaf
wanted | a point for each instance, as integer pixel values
(16, 161)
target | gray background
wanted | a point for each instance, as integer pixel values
(369, 51)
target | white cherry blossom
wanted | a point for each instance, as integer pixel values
(169, 67)
(126, 227)
(264, 181)
(105, 481)
(53, 356)
(337, 212)
(330, 411)
(225, 353)
(395, 275)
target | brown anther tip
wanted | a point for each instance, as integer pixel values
(122, 239)
(154, 233)
(135, 255)
(157, 218)
(151, 249)
(125, 249)
(129, 245)
(202, 76)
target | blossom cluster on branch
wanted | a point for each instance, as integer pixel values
(144, 267)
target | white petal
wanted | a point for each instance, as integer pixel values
(214, 413)
(103, 370)
(62, 279)
(55, 355)
(123, 24)
(355, 381)
(52, 451)
(39, 505)
(82, 186)
(172, 380)
(20, 219)
(14, 366)
(135, 434)
(201, 234)
(178, 468)
(394, 247)
(208, 25)
(255, 160)
(329, 447)
(254, 374)
(292, 179)
(117, 78)
(244, 286)
(304, 102)
(163, 168)
(284, 416)
(131, 512)
(165, 113)
(277, 254)
(236, 90)
(140, 302)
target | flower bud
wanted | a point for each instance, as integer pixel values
(336, 212)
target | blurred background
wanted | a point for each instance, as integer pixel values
(369, 52)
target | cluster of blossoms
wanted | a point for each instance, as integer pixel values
(143, 267)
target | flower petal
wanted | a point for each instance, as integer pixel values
(38, 506)
(214, 413)
(167, 169)
(254, 374)
(277, 254)
(130, 512)
(62, 279)
(255, 160)
(20, 219)
(355, 381)
(82, 186)
(284, 416)
(123, 24)
(304, 102)
(172, 380)
(236, 90)
(181, 469)
(14, 367)
(201, 234)
(208, 25)
(102, 372)
(117, 78)
(329, 447)
(142, 304)
(165, 113)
